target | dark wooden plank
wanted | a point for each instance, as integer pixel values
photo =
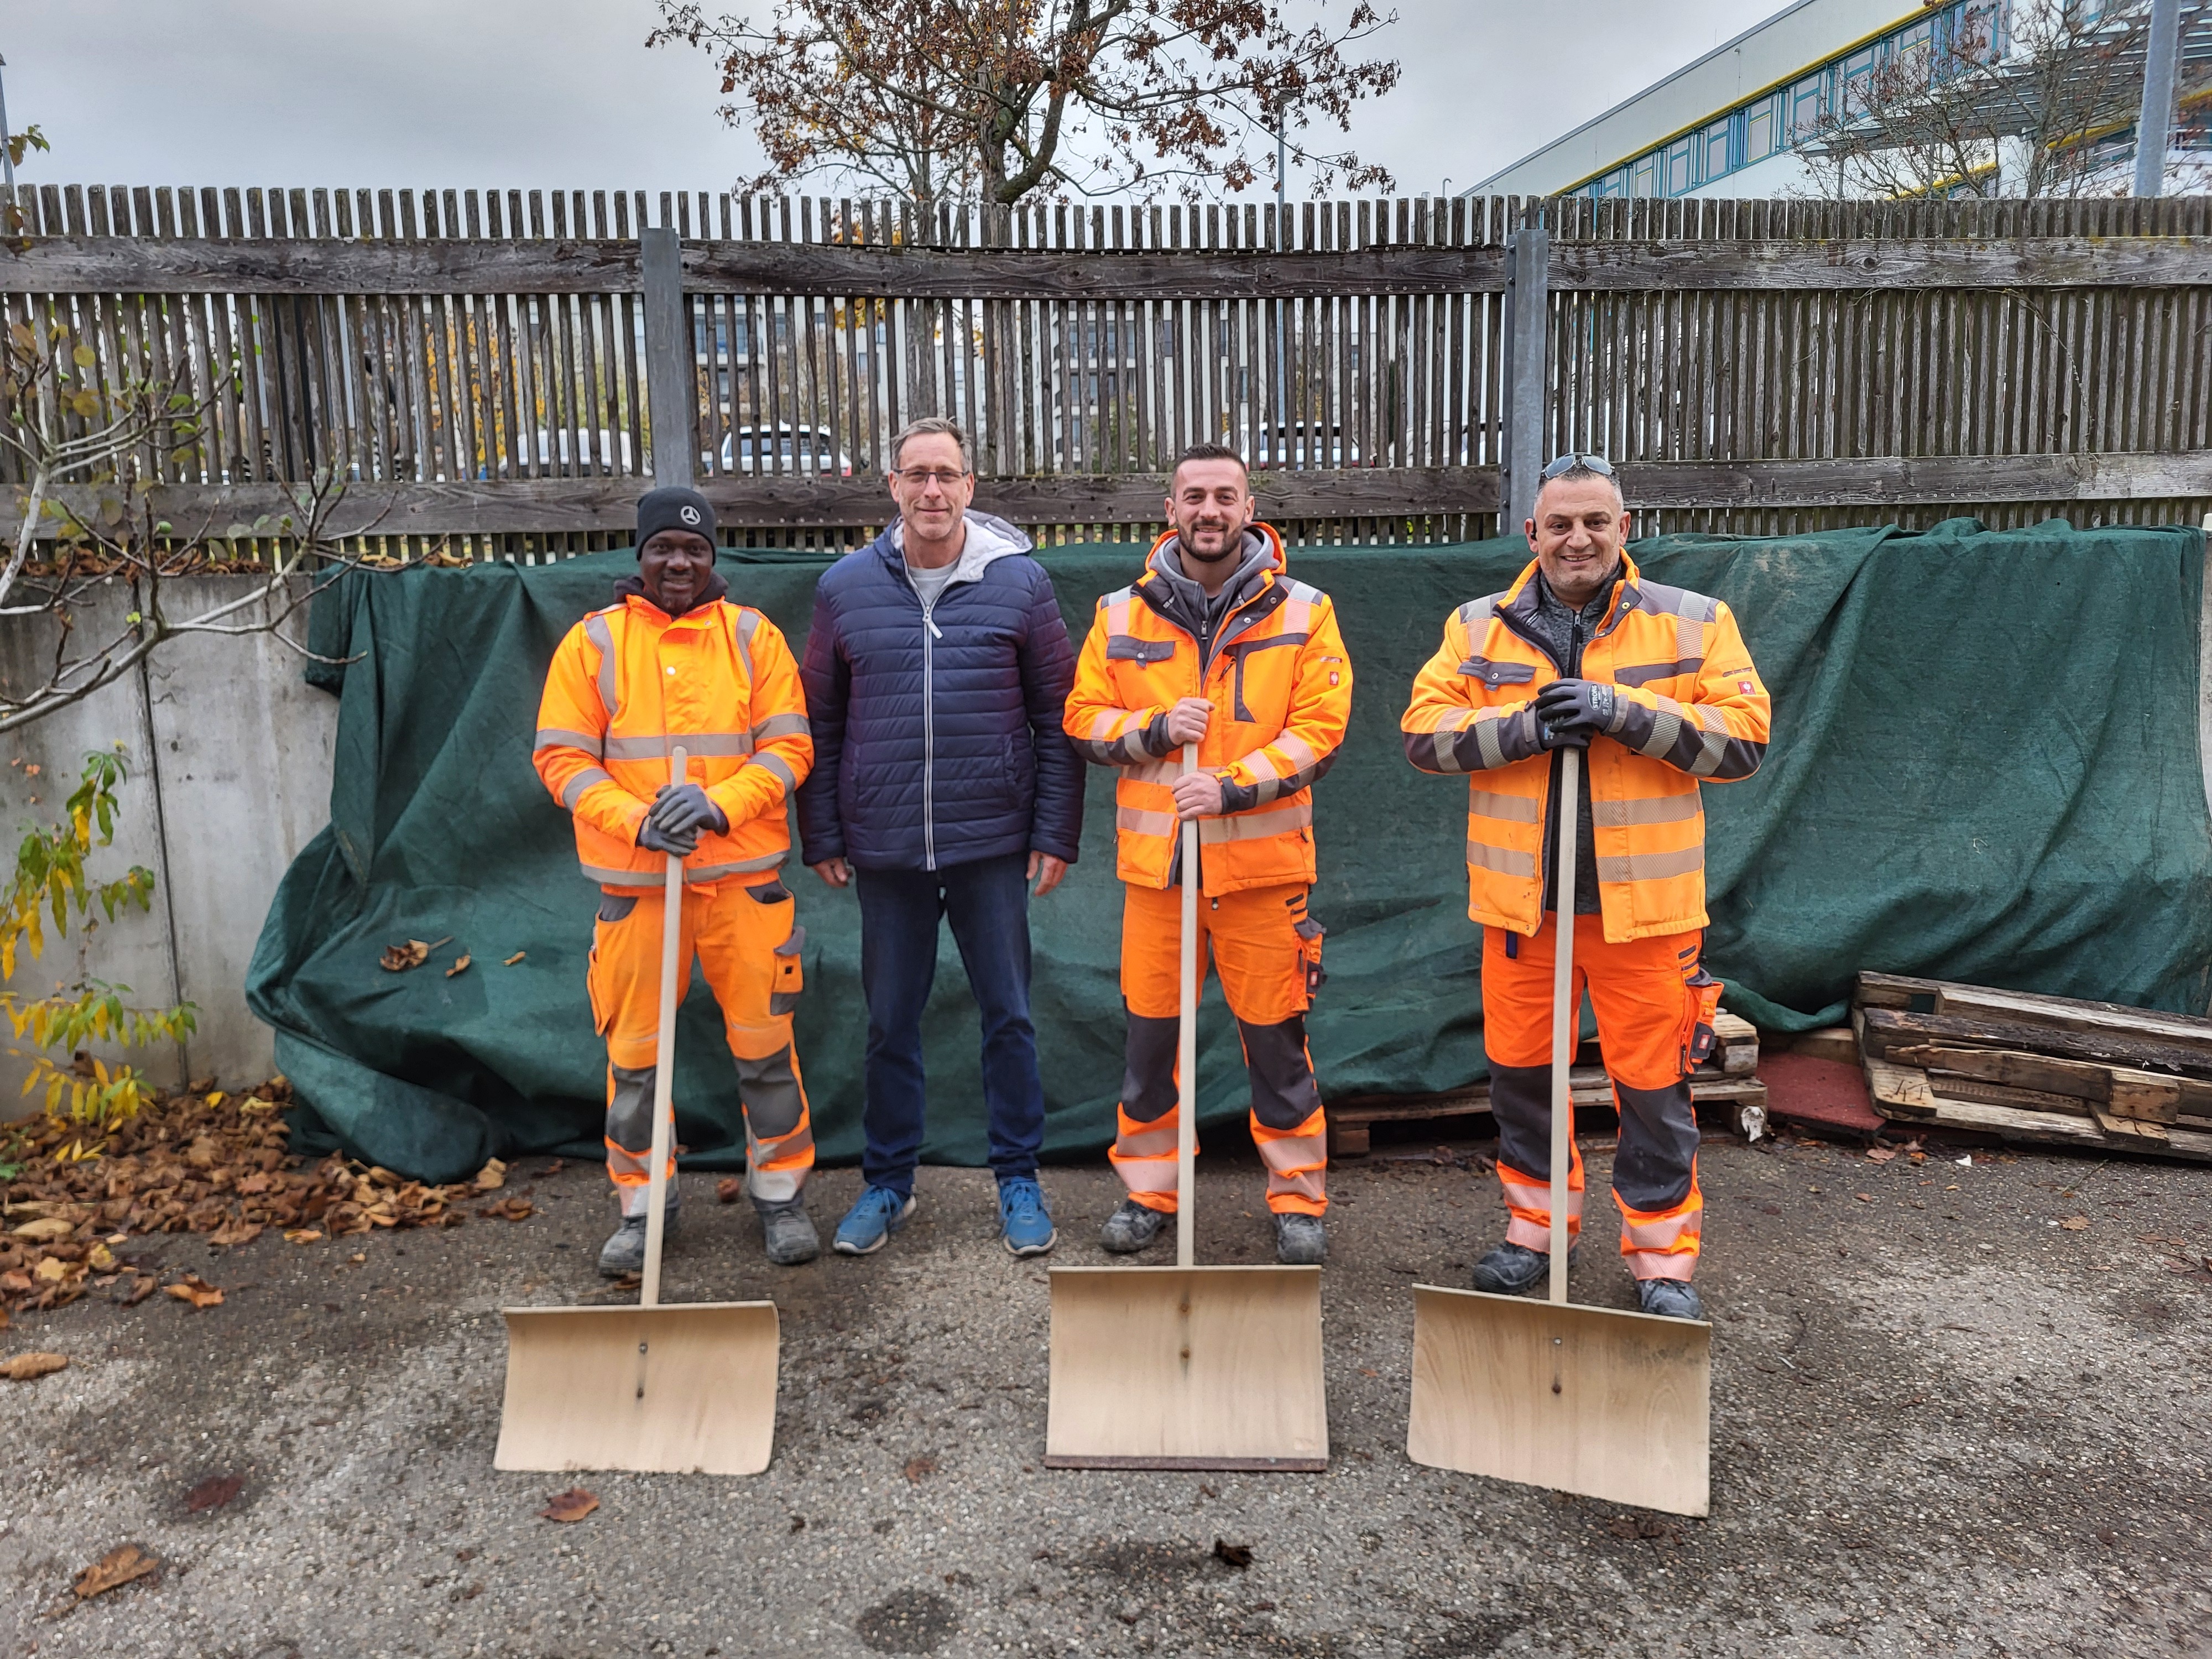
(1887, 1030)
(1882, 480)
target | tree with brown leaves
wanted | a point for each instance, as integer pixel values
(999, 100)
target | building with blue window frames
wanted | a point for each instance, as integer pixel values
(1730, 123)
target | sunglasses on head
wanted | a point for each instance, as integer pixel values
(1569, 462)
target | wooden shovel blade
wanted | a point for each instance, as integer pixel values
(1610, 1405)
(1186, 1368)
(689, 1388)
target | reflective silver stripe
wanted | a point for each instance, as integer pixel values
(774, 765)
(1666, 727)
(601, 634)
(1689, 637)
(1653, 866)
(1712, 749)
(622, 878)
(1300, 752)
(1514, 809)
(1504, 860)
(573, 791)
(1662, 809)
(1161, 772)
(1139, 822)
(1153, 1140)
(1263, 768)
(1485, 741)
(552, 737)
(748, 621)
(716, 871)
(654, 745)
(1250, 826)
(1478, 610)
(783, 725)
(1445, 743)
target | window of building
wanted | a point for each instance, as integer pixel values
(1858, 79)
(1680, 178)
(1644, 176)
(1718, 144)
(1762, 124)
(1809, 106)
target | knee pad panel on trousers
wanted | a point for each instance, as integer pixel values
(1520, 1103)
(1284, 1092)
(630, 1108)
(1658, 1146)
(1148, 1079)
(769, 1090)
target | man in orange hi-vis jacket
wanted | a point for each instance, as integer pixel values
(673, 661)
(1655, 684)
(1216, 645)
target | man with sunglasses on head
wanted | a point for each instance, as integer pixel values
(935, 672)
(1655, 686)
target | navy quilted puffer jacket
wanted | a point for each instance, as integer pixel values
(937, 736)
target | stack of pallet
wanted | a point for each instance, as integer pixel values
(1727, 1083)
(2036, 1068)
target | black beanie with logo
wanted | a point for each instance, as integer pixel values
(674, 508)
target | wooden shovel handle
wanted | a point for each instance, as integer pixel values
(1187, 1041)
(664, 1059)
(1565, 1010)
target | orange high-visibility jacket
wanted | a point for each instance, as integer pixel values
(1280, 685)
(1688, 706)
(626, 684)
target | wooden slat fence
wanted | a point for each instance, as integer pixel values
(475, 364)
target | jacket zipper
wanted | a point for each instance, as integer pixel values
(930, 635)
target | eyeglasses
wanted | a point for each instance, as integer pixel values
(922, 477)
(1567, 463)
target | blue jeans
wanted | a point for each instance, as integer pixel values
(987, 902)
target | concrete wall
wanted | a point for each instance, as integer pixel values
(229, 755)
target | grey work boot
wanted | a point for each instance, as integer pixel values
(1669, 1298)
(1512, 1268)
(789, 1230)
(1130, 1228)
(624, 1253)
(1300, 1240)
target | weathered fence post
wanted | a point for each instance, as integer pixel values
(1526, 377)
(672, 398)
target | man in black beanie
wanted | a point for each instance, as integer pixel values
(673, 661)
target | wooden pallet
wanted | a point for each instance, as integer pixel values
(2049, 1071)
(1727, 1083)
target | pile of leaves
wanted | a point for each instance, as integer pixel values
(202, 1162)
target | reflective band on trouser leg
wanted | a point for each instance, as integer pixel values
(1287, 1123)
(1663, 1243)
(779, 1129)
(630, 1135)
(1144, 1150)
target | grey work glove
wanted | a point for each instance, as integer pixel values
(654, 839)
(1570, 713)
(684, 810)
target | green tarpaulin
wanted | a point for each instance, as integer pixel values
(1986, 767)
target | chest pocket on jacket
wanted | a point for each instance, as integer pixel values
(1495, 674)
(1273, 708)
(1127, 648)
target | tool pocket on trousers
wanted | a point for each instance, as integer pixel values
(1703, 993)
(790, 973)
(1310, 933)
(768, 892)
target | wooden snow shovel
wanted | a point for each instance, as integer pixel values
(686, 1390)
(1610, 1405)
(1187, 1367)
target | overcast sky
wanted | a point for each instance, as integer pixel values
(562, 93)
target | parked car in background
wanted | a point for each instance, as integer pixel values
(786, 448)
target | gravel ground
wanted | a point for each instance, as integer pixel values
(1943, 1422)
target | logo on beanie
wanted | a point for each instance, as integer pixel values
(689, 515)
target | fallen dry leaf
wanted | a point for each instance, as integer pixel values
(516, 958)
(2075, 1224)
(491, 1178)
(22, 1367)
(46, 1230)
(196, 1291)
(729, 1190)
(119, 1566)
(573, 1504)
(303, 1235)
(53, 1270)
(101, 1260)
(399, 958)
(1236, 1555)
(235, 1232)
(213, 1492)
(461, 966)
(1881, 1154)
(130, 1293)
(1864, 1198)
(917, 1468)
(508, 1209)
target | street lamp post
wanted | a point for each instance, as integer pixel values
(2154, 126)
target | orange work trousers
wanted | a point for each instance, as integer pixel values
(1651, 996)
(1267, 952)
(748, 941)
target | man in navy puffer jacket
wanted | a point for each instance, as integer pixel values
(935, 674)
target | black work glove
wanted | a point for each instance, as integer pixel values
(1570, 713)
(684, 809)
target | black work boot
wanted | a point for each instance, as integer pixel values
(1669, 1298)
(1130, 1228)
(1301, 1240)
(624, 1253)
(1512, 1268)
(789, 1232)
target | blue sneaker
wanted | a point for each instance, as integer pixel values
(877, 1214)
(1024, 1222)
